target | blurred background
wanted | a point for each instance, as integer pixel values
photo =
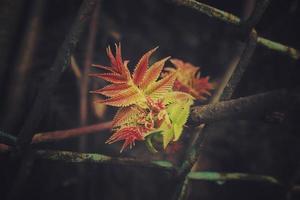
(33, 30)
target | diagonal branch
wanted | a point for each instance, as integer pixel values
(41, 103)
(258, 11)
(232, 19)
(237, 73)
(61, 62)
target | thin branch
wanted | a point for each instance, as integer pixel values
(23, 65)
(256, 14)
(5, 148)
(290, 51)
(61, 62)
(233, 75)
(217, 177)
(11, 17)
(248, 107)
(238, 71)
(75, 157)
(40, 105)
(210, 11)
(66, 134)
(75, 68)
(88, 57)
(232, 19)
(8, 139)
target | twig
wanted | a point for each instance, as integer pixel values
(290, 51)
(4, 148)
(42, 100)
(86, 68)
(222, 177)
(210, 11)
(236, 74)
(8, 139)
(233, 74)
(61, 62)
(75, 157)
(10, 18)
(65, 134)
(256, 14)
(75, 68)
(232, 19)
(248, 107)
(23, 65)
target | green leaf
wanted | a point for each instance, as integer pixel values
(177, 131)
(149, 144)
(167, 137)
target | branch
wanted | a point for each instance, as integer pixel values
(74, 157)
(41, 102)
(61, 62)
(217, 176)
(22, 67)
(11, 140)
(245, 107)
(256, 14)
(210, 11)
(65, 134)
(232, 19)
(7, 139)
(235, 71)
(290, 51)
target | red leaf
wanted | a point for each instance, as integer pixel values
(110, 77)
(127, 114)
(112, 90)
(141, 67)
(104, 67)
(162, 86)
(153, 73)
(129, 134)
(124, 99)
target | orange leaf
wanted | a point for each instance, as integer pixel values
(141, 67)
(153, 73)
(104, 67)
(124, 99)
(126, 114)
(112, 90)
(110, 77)
(162, 86)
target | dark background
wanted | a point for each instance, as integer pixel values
(259, 147)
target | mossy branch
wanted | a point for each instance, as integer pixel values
(223, 177)
(75, 157)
